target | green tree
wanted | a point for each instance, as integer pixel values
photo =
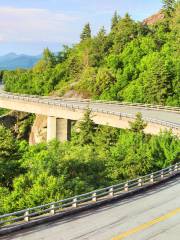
(86, 33)
(99, 48)
(104, 80)
(169, 6)
(9, 158)
(134, 62)
(129, 158)
(87, 129)
(165, 149)
(139, 124)
(125, 31)
(48, 60)
(87, 81)
(115, 20)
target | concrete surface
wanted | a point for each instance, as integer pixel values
(102, 113)
(154, 215)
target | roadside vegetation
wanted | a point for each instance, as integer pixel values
(97, 156)
(134, 62)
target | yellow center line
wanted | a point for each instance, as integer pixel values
(147, 225)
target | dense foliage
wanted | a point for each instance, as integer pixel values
(133, 62)
(97, 156)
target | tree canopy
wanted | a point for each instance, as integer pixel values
(96, 157)
(86, 33)
(133, 62)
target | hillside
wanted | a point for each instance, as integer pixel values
(134, 62)
(12, 61)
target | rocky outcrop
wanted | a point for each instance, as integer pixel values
(73, 94)
(26, 126)
(39, 130)
(154, 18)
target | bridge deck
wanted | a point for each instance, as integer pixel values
(112, 114)
(131, 110)
(159, 114)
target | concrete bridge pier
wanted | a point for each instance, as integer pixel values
(58, 128)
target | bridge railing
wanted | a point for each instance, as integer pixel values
(89, 104)
(83, 200)
(143, 105)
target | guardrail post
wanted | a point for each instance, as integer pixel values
(152, 178)
(94, 197)
(52, 211)
(26, 217)
(140, 182)
(111, 192)
(162, 174)
(75, 203)
(176, 167)
(126, 187)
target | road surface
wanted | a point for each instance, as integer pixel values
(154, 215)
(169, 117)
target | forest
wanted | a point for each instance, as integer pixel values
(96, 157)
(134, 62)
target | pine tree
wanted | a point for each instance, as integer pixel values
(48, 60)
(115, 20)
(102, 32)
(138, 125)
(86, 33)
(49, 57)
(87, 129)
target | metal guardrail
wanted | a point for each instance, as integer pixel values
(150, 106)
(145, 105)
(66, 104)
(68, 204)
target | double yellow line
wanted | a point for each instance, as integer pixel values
(147, 225)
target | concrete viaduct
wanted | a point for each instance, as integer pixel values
(60, 112)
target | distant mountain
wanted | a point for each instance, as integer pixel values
(12, 61)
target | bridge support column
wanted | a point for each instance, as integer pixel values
(63, 129)
(51, 128)
(58, 128)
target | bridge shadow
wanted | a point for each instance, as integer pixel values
(107, 206)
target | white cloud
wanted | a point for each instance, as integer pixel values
(2, 39)
(35, 25)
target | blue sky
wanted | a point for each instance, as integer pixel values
(28, 26)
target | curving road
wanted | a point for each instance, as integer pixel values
(113, 114)
(154, 215)
(156, 114)
(151, 216)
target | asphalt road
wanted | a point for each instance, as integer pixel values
(154, 215)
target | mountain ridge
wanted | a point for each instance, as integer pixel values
(11, 61)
